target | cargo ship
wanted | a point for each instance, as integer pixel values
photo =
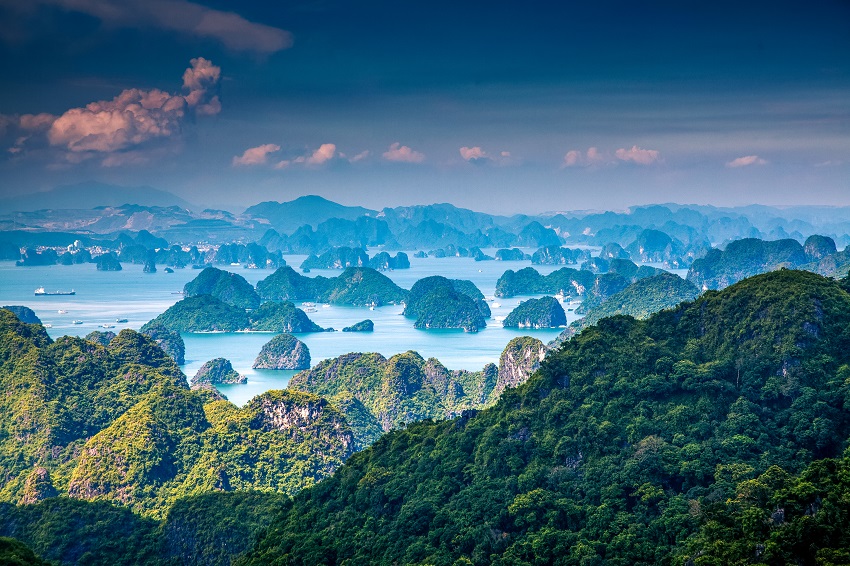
(40, 291)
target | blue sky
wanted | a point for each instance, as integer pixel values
(497, 106)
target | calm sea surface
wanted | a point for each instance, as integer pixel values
(103, 297)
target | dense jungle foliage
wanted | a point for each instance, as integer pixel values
(713, 433)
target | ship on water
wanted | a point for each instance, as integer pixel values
(41, 292)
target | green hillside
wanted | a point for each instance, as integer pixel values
(639, 442)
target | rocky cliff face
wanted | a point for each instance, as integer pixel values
(519, 360)
(169, 340)
(37, 486)
(218, 370)
(284, 351)
(302, 416)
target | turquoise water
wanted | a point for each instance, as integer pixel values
(103, 297)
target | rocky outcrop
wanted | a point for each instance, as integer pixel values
(24, 314)
(284, 351)
(818, 247)
(520, 358)
(100, 337)
(169, 340)
(545, 312)
(216, 371)
(362, 326)
(108, 262)
(301, 416)
(37, 486)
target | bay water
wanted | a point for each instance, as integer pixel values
(104, 297)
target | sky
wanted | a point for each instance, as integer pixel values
(497, 106)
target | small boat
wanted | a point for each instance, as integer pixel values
(41, 292)
(48, 326)
(311, 309)
(371, 307)
(122, 320)
(107, 326)
(308, 304)
(496, 305)
(326, 306)
(235, 264)
(178, 292)
(62, 311)
(78, 322)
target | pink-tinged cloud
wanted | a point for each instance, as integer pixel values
(403, 154)
(136, 116)
(470, 153)
(576, 158)
(255, 155)
(638, 155)
(746, 161)
(188, 18)
(37, 122)
(325, 153)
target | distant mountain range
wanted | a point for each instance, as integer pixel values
(91, 195)
(311, 210)
(311, 224)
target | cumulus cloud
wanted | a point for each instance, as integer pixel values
(326, 152)
(746, 161)
(638, 155)
(476, 155)
(136, 116)
(403, 154)
(184, 17)
(577, 158)
(470, 153)
(255, 155)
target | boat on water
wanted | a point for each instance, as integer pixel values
(78, 322)
(308, 304)
(41, 292)
(48, 326)
(122, 320)
(107, 326)
(62, 311)
(311, 309)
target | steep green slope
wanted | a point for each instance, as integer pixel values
(119, 424)
(612, 451)
(641, 299)
(202, 313)
(225, 286)
(356, 286)
(744, 258)
(377, 394)
(438, 302)
(282, 317)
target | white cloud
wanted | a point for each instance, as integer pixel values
(638, 155)
(135, 116)
(403, 154)
(746, 161)
(184, 17)
(255, 155)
